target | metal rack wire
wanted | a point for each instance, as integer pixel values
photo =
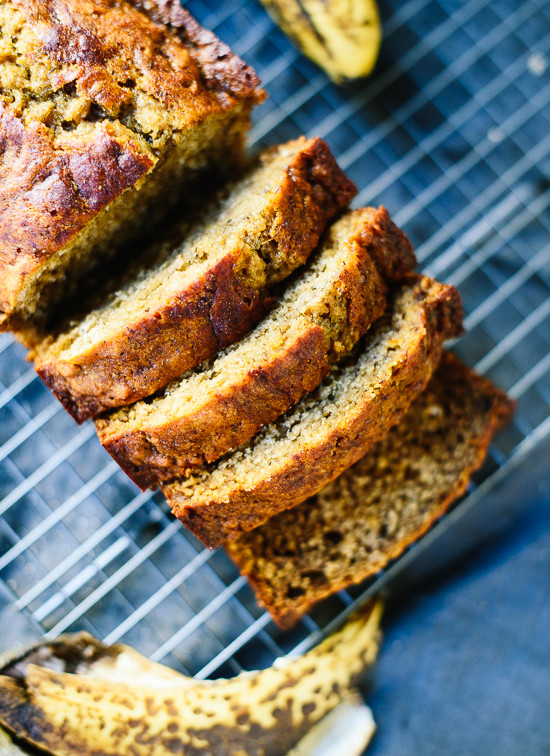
(452, 135)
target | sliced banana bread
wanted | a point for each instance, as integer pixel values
(105, 116)
(223, 403)
(369, 515)
(203, 295)
(329, 429)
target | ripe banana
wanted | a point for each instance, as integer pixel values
(341, 36)
(115, 702)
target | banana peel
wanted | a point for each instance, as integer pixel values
(112, 701)
(347, 729)
(342, 36)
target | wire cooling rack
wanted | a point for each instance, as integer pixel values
(452, 134)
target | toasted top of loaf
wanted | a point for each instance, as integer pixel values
(355, 525)
(329, 429)
(63, 57)
(220, 67)
(92, 94)
(204, 294)
(318, 319)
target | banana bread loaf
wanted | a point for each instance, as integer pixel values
(329, 429)
(221, 404)
(105, 116)
(369, 515)
(203, 295)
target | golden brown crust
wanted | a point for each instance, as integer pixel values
(300, 544)
(47, 195)
(211, 312)
(232, 415)
(220, 67)
(136, 84)
(99, 45)
(388, 246)
(217, 519)
(216, 309)
(173, 448)
(311, 193)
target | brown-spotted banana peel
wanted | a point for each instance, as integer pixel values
(341, 36)
(112, 710)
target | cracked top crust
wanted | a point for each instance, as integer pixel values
(220, 67)
(47, 193)
(92, 93)
(70, 62)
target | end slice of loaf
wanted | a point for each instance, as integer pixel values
(222, 404)
(329, 429)
(369, 515)
(208, 292)
(106, 116)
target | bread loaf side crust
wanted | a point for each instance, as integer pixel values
(311, 193)
(204, 318)
(212, 312)
(135, 89)
(258, 554)
(214, 521)
(48, 195)
(175, 448)
(234, 414)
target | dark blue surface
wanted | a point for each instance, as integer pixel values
(465, 664)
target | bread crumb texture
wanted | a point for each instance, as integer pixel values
(329, 429)
(203, 288)
(356, 524)
(318, 319)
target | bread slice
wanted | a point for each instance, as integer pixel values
(223, 403)
(329, 429)
(206, 293)
(106, 117)
(369, 515)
